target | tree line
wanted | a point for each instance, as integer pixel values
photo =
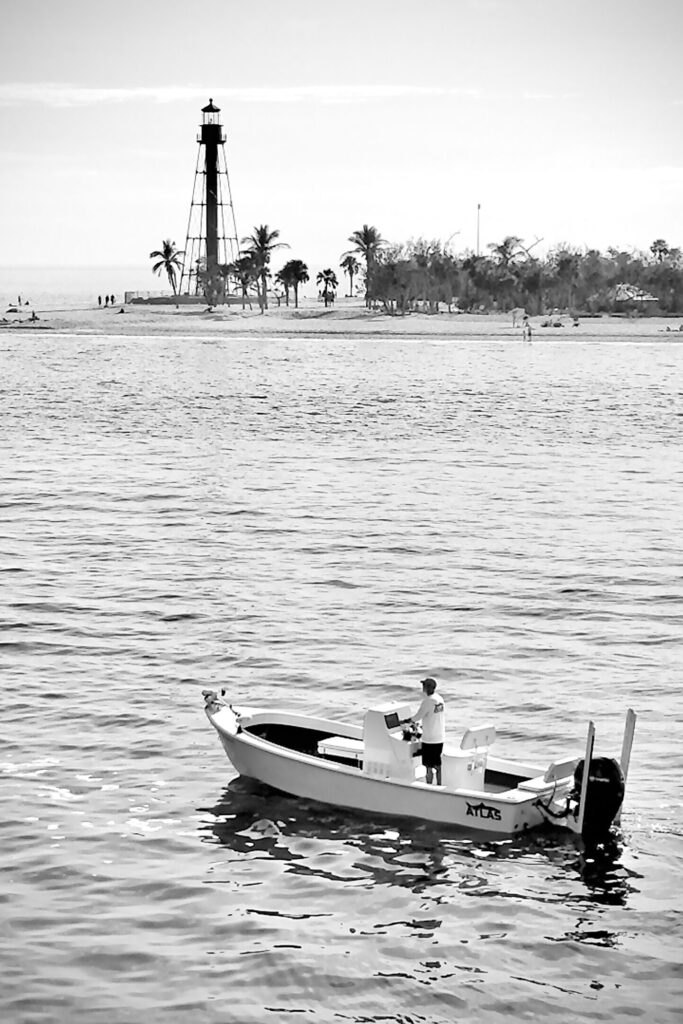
(426, 275)
(251, 272)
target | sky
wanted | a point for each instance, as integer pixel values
(561, 120)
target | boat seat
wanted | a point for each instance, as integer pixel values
(341, 746)
(464, 767)
(558, 771)
(476, 739)
(537, 785)
(561, 769)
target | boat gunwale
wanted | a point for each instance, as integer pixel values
(513, 796)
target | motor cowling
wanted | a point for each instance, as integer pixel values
(604, 795)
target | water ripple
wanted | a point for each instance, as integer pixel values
(321, 522)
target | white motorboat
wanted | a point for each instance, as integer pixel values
(376, 767)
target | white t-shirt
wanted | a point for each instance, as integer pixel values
(432, 714)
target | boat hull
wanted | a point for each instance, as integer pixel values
(313, 778)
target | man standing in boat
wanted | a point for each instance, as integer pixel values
(432, 714)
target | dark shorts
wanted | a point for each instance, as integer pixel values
(431, 755)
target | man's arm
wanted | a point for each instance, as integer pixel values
(424, 707)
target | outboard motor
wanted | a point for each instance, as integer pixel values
(604, 796)
(605, 787)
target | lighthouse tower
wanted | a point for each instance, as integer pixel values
(211, 240)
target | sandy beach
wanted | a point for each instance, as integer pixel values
(348, 318)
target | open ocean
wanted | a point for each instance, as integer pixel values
(52, 288)
(319, 524)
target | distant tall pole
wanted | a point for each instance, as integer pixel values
(478, 209)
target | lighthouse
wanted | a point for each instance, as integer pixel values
(211, 241)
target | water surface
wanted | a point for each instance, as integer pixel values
(320, 523)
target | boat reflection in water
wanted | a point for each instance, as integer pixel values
(255, 822)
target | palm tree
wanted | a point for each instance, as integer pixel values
(367, 241)
(328, 279)
(659, 249)
(505, 269)
(169, 259)
(244, 272)
(508, 250)
(296, 272)
(567, 263)
(282, 278)
(350, 266)
(260, 244)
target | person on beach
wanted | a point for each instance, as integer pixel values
(99, 300)
(526, 329)
(432, 714)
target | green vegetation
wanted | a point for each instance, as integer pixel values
(350, 266)
(169, 259)
(261, 243)
(426, 274)
(368, 242)
(294, 273)
(328, 279)
(244, 272)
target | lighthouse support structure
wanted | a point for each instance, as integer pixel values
(208, 245)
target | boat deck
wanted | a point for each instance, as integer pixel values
(345, 750)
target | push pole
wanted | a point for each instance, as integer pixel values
(590, 741)
(625, 760)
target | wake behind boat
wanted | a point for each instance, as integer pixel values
(375, 767)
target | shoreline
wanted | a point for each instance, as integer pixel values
(348, 318)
